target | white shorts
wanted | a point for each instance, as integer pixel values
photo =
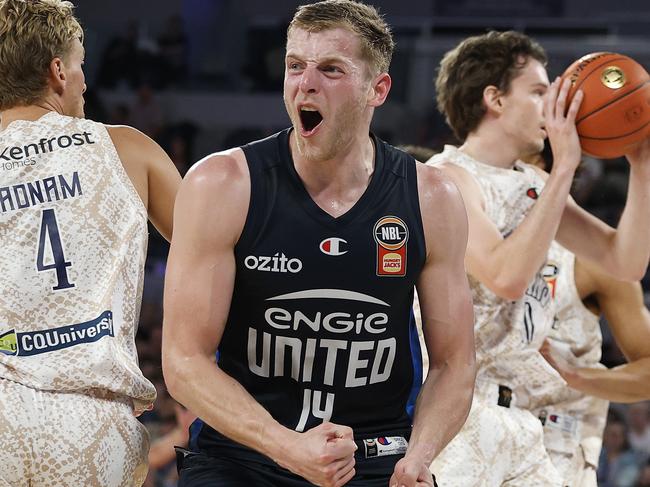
(574, 469)
(497, 446)
(53, 439)
(573, 435)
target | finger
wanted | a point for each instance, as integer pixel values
(408, 478)
(341, 448)
(561, 98)
(397, 474)
(550, 99)
(346, 478)
(341, 431)
(638, 150)
(575, 106)
(425, 475)
(544, 347)
(343, 472)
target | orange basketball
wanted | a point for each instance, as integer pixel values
(615, 110)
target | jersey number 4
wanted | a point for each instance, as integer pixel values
(50, 233)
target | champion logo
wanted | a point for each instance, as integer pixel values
(333, 246)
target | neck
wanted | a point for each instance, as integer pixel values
(350, 168)
(489, 146)
(29, 113)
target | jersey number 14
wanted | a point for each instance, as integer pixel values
(50, 233)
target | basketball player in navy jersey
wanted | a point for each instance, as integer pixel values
(293, 265)
(74, 200)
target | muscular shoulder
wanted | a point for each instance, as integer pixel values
(465, 183)
(217, 189)
(137, 151)
(436, 187)
(441, 205)
(129, 141)
(224, 173)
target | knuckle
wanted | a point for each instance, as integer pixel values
(325, 459)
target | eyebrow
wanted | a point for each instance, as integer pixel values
(326, 60)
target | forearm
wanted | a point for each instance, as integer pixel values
(522, 253)
(626, 383)
(442, 408)
(632, 239)
(220, 401)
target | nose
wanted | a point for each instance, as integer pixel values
(309, 81)
(84, 90)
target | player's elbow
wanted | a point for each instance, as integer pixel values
(173, 373)
(633, 274)
(508, 287)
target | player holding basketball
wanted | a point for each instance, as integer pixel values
(503, 110)
(74, 197)
(303, 279)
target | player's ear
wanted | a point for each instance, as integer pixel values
(56, 75)
(492, 99)
(380, 88)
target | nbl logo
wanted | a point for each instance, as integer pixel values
(391, 235)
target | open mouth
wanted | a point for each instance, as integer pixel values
(310, 120)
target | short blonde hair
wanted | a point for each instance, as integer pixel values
(32, 33)
(375, 37)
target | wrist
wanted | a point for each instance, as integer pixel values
(419, 453)
(640, 170)
(564, 169)
(277, 444)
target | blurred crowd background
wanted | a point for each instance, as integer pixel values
(204, 75)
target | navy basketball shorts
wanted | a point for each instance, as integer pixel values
(203, 470)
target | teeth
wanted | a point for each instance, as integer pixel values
(307, 109)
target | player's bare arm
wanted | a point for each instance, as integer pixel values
(624, 252)
(622, 304)
(210, 212)
(148, 166)
(448, 325)
(507, 265)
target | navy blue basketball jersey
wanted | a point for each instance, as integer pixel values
(320, 325)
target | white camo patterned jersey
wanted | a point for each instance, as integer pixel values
(506, 332)
(73, 233)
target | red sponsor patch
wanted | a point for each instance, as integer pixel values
(391, 235)
(532, 193)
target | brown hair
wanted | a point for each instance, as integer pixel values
(32, 33)
(492, 59)
(376, 40)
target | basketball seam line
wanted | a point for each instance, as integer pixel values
(612, 101)
(618, 136)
